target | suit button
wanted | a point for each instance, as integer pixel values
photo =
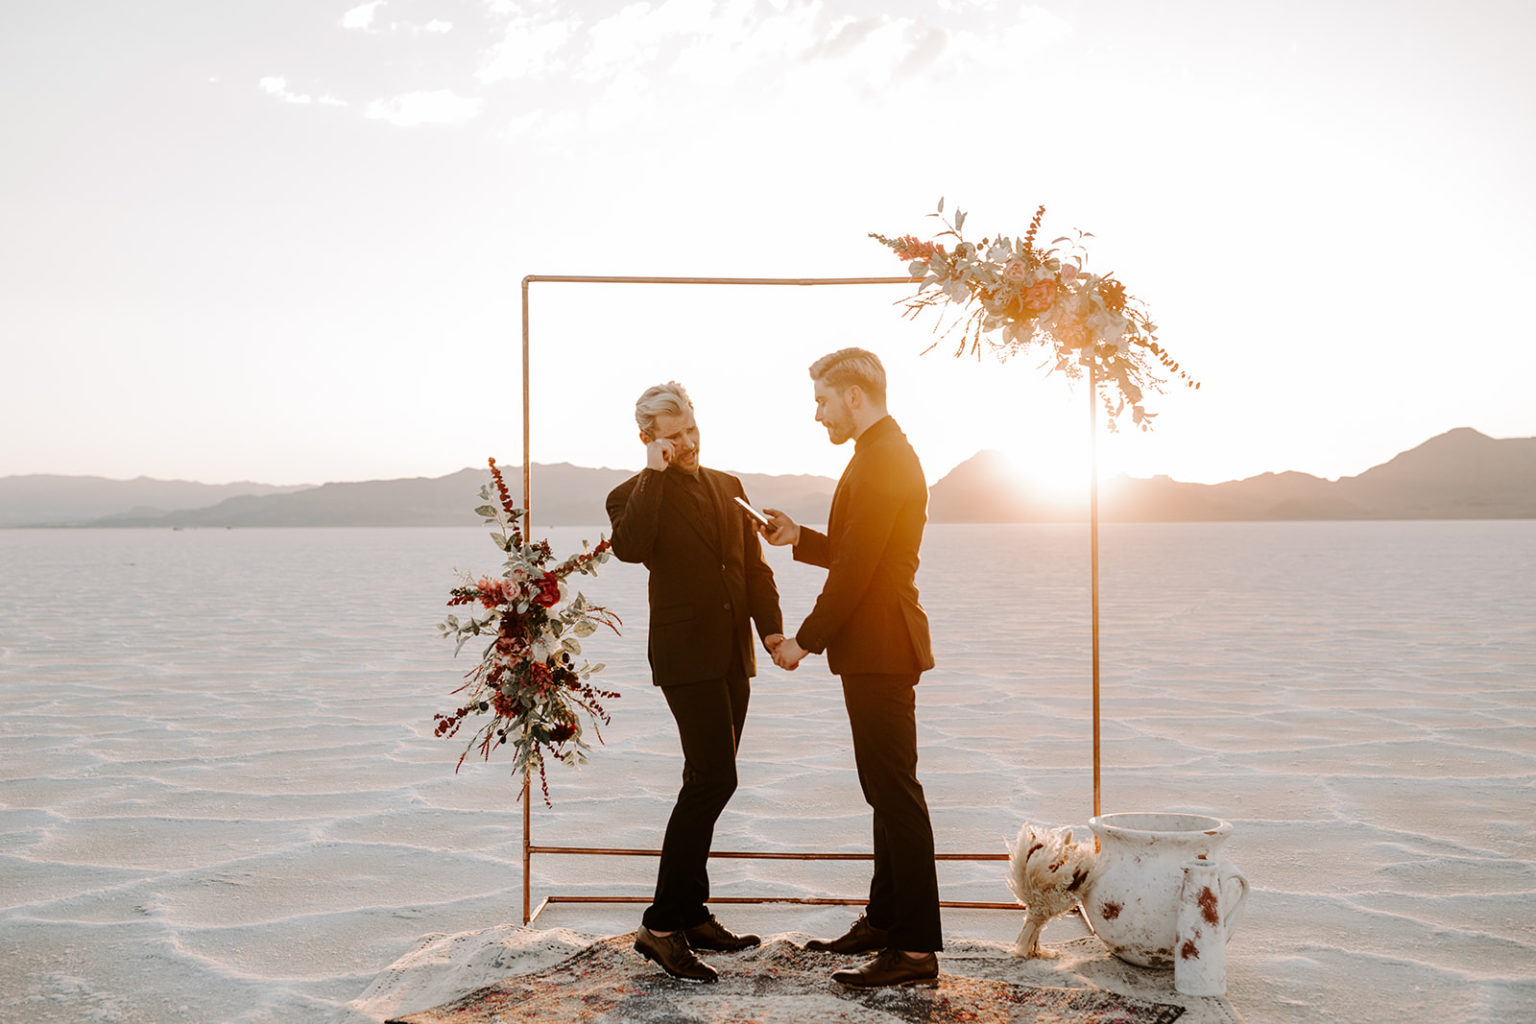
(726, 606)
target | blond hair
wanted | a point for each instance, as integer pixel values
(660, 398)
(849, 366)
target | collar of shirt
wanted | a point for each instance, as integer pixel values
(875, 431)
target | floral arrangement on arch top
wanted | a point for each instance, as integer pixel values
(1018, 294)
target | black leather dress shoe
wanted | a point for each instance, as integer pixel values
(861, 937)
(891, 967)
(672, 955)
(714, 935)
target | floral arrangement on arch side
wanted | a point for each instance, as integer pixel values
(1019, 294)
(528, 680)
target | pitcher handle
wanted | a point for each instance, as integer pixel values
(1230, 905)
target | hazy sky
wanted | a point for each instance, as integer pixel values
(282, 240)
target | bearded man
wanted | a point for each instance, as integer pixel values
(875, 634)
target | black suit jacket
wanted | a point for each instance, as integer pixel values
(706, 580)
(868, 618)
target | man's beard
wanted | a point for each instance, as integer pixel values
(839, 428)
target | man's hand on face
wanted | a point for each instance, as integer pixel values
(784, 529)
(658, 454)
(788, 654)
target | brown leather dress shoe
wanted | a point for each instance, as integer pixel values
(672, 955)
(891, 967)
(714, 935)
(861, 937)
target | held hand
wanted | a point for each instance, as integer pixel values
(772, 641)
(658, 454)
(788, 655)
(784, 530)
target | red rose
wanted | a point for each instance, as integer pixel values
(549, 592)
(492, 592)
(539, 677)
(562, 732)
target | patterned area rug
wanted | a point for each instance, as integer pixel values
(608, 983)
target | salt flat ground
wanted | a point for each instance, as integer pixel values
(221, 799)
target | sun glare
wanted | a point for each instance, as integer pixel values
(1056, 473)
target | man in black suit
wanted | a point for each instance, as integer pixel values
(875, 633)
(707, 580)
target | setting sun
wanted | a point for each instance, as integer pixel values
(1058, 473)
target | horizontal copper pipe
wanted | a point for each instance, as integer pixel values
(834, 901)
(595, 279)
(828, 901)
(602, 851)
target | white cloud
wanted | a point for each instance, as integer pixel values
(722, 44)
(414, 108)
(640, 34)
(436, 25)
(528, 47)
(360, 17)
(277, 85)
(797, 65)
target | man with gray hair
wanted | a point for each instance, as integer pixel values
(708, 585)
(875, 634)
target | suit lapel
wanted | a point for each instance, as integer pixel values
(837, 492)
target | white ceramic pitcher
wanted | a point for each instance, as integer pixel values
(1132, 902)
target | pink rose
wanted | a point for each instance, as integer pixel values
(1068, 271)
(1040, 295)
(1015, 271)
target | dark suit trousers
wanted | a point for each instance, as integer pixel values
(904, 891)
(709, 718)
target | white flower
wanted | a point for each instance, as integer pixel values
(999, 251)
(1108, 328)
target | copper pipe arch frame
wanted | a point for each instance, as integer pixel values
(529, 849)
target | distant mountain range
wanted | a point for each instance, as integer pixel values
(562, 494)
(47, 500)
(1461, 474)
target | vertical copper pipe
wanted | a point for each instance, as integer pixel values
(1093, 559)
(527, 509)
